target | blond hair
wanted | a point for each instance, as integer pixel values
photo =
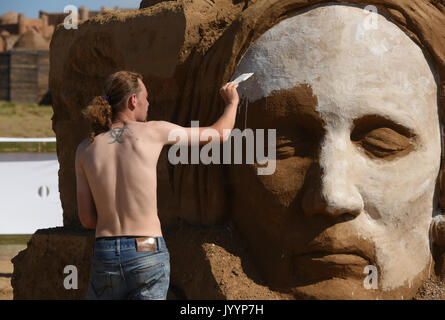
(101, 111)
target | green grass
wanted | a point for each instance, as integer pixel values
(14, 238)
(26, 120)
(28, 147)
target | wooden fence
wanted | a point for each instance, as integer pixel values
(24, 75)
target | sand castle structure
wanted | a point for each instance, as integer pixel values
(24, 52)
(36, 33)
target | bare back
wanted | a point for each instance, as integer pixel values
(116, 173)
(120, 166)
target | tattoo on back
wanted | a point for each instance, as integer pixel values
(116, 133)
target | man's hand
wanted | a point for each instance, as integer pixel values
(229, 94)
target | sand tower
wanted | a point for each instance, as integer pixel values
(33, 40)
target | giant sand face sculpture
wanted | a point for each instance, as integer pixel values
(354, 102)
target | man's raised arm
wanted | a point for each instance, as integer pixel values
(170, 133)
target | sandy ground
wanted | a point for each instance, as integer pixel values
(7, 252)
(433, 289)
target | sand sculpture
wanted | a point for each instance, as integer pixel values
(13, 26)
(358, 176)
(358, 131)
(16, 25)
(31, 40)
(9, 18)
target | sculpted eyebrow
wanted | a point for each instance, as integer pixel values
(368, 123)
(295, 106)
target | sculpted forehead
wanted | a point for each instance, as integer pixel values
(352, 59)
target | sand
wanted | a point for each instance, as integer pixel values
(7, 252)
(433, 289)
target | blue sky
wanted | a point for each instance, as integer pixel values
(31, 7)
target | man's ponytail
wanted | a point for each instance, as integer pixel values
(102, 110)
(99, 113)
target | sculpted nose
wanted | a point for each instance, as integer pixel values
(330, 185)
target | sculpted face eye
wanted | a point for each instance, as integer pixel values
(298, 141)
(382, 138)
(285, 147)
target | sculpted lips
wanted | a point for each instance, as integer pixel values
(346, 258)
(325, 265)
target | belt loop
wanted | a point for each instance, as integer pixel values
(118, 246)
(158, 244)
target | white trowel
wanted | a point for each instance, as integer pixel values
(242, 77)
(239, 79)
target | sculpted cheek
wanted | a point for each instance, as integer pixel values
(393, 184)
(288, 179)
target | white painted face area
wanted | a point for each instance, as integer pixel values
(360, 64)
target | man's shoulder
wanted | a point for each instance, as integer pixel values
(156, 125)
(158, 130)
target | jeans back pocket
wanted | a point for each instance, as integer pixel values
(149, 278)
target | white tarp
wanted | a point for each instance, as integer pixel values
(29, 192)
(7, 139)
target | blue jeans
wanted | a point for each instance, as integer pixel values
(119, 271)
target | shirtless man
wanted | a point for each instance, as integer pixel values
(116, 188)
